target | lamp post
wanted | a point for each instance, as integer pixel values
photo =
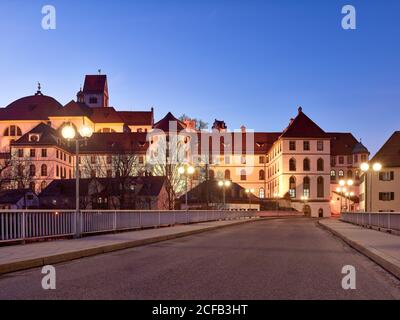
(249, 192)
(224, 184)
(187, 171)
(365, 167)
(69, 133)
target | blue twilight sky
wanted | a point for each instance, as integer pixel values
(247, 62)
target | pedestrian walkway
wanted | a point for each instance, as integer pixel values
(20, 257)
(381, 247)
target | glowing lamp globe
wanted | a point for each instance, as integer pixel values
(364, 167)
(85, 131)
(377, 167)
(227, 183)
(181, 170)
(190, 170)
(68, 132)
(342, 182)
(220, 183)
(350, 182)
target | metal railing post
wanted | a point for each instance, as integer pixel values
(115, 221)
(23, 235)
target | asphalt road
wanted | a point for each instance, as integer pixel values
(275, 259)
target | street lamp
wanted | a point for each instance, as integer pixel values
(187, 171)
(224, 184)
(365, 167)
(69, 133)
(249, 191)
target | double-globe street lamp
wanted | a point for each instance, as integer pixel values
(365, 168)
(69, 133)
(224, 184)
(187, 171)
(343, 190)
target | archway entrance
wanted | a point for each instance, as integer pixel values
(321, 213)
(307, 210)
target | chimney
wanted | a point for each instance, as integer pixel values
(243, 129)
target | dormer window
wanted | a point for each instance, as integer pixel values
(34, 138)
(93, 100)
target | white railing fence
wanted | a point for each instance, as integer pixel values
(384, 220)
(20, 225)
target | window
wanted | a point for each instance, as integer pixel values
(356, 158)
(93, 100)
(13, 131)
(357, 175)
(57, 154)
(93, 173)
(261, 159)
(292, 145)
(292, 187)
(320, 187)
(141, 160)
(109, 159)
(43, 170)
(349, 174)
(320, 145)
(32, 153)
(243, 175)
(20, 153)
(227, 159)
(92, 159)
(44, 153)
(43, 185)
(306, 164)
(211, 174)
(363, 158)
(320, 164)
(20, 170)
(292, 164)
(350, 159)
(306, 145)
(261, 193)
(32, 170)
(341, 174)
(333, 175)
(341, 160)
(333, 161)
(57, 171)
(306, 187)
(386, 196)
(261, 175)
(32, 186)
(227, 174)
(386, 176)
(106, 130)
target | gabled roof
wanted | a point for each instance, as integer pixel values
(137, 118)
(303, 127)
(95, 84)
(13, 196)
(74, 109)
(344, 143)
(164, 123)
(105, 115)
(37, 107)
(389, 154)
(48, 136)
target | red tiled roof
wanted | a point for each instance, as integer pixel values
(105, 115)
(342, 143)
(389, 154)
(74, 109)
(37, 107)
(164, 124)
(137, 118)
(303, 127)
(95, 84)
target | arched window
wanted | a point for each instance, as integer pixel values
(43, 185)
(211, 174)
(261, 175)
(243, 175)
(292, 164)
(227, 174)
(292, 187)
(13, 131)
(320, 164)
(320, 213)
(333, 175)
(262, 193)
(320, 187)
(43, 170)
(306, 187)
(32, 170)
(32, 186)
(349, 174)
(306, 164)
(341, 173)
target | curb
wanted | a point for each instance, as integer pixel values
(68, 256)
(385, 261)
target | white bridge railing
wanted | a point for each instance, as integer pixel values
(20, 225)
(384, 220)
